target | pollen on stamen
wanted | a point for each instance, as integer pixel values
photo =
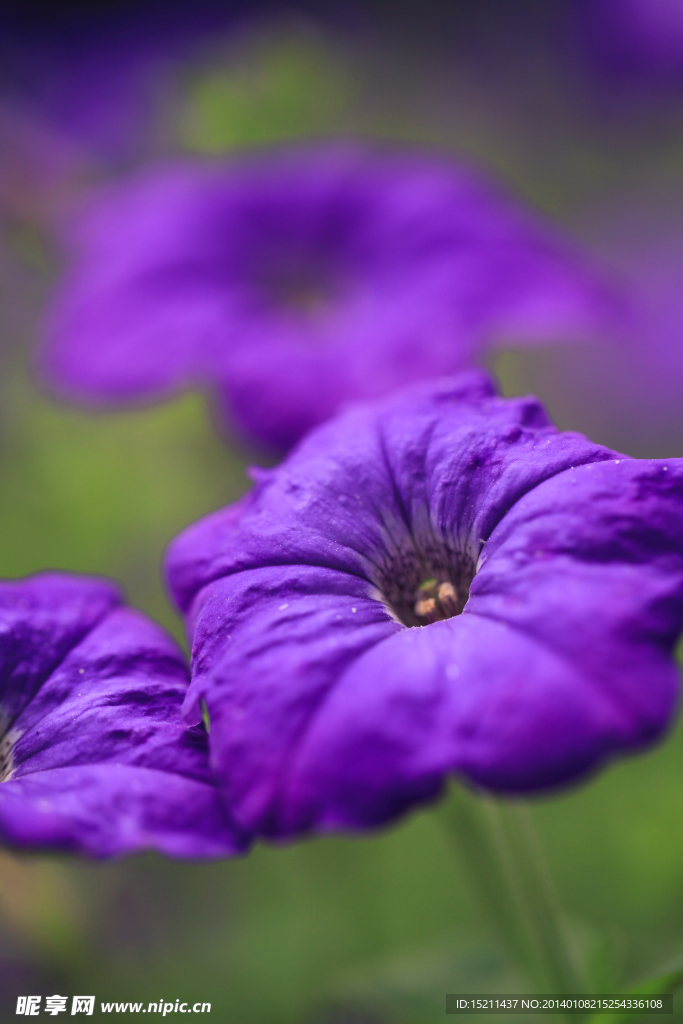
(425, 607)
(435, 600)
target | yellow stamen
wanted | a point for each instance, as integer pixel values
(447, 592)
(425, 607)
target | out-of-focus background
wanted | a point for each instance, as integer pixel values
(340, 929)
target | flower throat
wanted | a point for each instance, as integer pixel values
(417, 597)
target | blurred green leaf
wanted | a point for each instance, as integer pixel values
(670, 978)
(412, 987)
(282, 87)
(105, 493)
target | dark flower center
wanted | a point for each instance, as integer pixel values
(302, 286)
(420, 590)
(300, 294)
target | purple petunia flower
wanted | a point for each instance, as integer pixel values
(440, 583)
(94, 757)
(302, 279)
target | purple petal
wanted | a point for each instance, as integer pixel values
(269, 646)
(446, 458)
(467, 696)
(94, 757)
(560, 660)
(106, 810)
(41, 619)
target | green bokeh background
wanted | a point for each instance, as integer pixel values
(336, 929)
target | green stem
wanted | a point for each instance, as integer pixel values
(500, 848)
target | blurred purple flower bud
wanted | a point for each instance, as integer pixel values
(94, 758)
(441, 583)
(300, 280)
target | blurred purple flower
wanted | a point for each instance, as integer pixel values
(91, 72)
(82, 88)
(94, 758)
(635, 38)
(303, 279)
(634, 394)
(546, 574)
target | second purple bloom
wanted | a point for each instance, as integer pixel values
(438, 583)
(297, 281)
